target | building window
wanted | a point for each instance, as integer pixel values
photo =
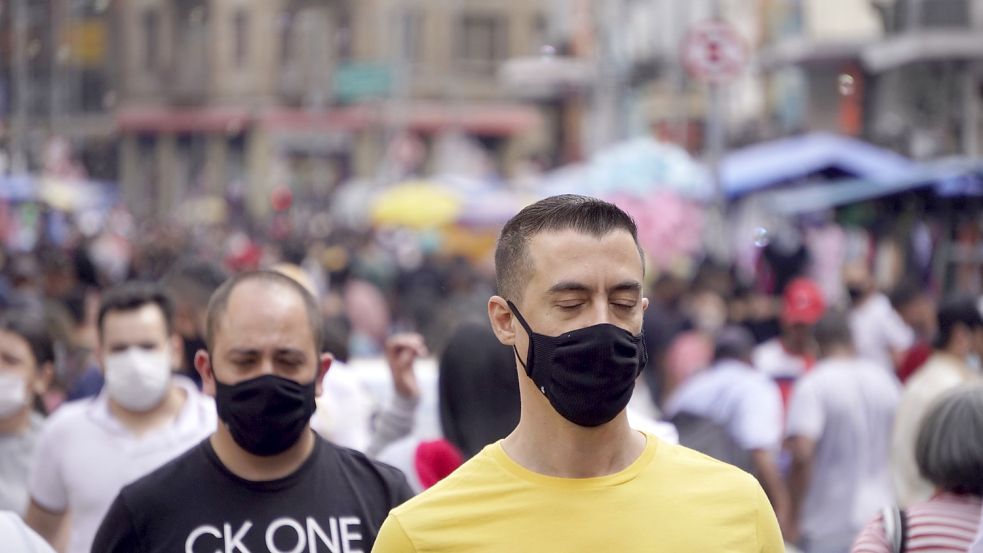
(411, 35)
(482, 43)
(151, 39)
(287, 30)
(240, 40)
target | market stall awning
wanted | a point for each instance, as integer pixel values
(947, 178)
(784, 161)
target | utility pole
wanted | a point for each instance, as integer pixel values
(19, 121)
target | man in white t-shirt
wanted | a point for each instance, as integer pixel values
(879, 332)
(839, 433)
(747, 403)
(789, 356)
(960, 325)
(145, 416)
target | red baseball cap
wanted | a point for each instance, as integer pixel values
(803, 302)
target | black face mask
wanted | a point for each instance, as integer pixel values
(267, 414)
(587, 374)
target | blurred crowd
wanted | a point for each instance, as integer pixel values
(825, 397)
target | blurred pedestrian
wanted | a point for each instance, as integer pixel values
(839, 431)
(960, 337)
(18, 537)
(478, 389)
(27, 356)
(878, 331)
(574, 475)
(791, 355)
(191, 283)
(733, 395)
(263, 479)
(918, 310)
(143, 417)
(949, 454)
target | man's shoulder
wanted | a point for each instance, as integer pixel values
(168, 477)
(684, 462)
(352, 459)
(69, 419)
(474, 474)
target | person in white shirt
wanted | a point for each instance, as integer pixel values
(839, 431)
(17, 537)
(789, 356)
(144, 416)
(960, 337)
(735, 395)
(879, 332)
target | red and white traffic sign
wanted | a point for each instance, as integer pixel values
(713, 51)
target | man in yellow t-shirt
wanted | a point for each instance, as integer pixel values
(574, 476)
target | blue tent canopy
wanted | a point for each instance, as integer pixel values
(17, 188)
(773, 163)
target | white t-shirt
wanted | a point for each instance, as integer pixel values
(847, 406)
(772, 359)
(940, 372)
(17, 537)
(738, 397)
(878, 329)
(344, 410)
(85, 456)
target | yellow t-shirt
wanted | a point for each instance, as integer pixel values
(670, 499)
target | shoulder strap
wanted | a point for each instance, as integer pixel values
(893, 528)
(903, 518)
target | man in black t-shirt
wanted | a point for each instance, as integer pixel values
(264, 481)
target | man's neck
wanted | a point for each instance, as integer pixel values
(16, 424)
(255, 468)
(565, 450)
(163, 414)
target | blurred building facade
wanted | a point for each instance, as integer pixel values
(236, 97)
(902, 73)
(57, 71)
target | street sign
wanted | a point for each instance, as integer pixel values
(713, 52)
(362, 81)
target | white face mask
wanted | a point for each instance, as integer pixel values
(137, 379)
(13, 394)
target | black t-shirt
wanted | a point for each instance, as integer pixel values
(335, 502)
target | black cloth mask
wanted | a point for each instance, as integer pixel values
(267, 414)
(588, 374)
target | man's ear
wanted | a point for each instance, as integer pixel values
(326, 360)
(501, 320)
(44, 378)
(203, 364)
(645, 304)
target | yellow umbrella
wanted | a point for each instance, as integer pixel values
(416, 204)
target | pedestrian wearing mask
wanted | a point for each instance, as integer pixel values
(959, 342)
(27, 358)
(144, 417)
(573, 475)
(263, 481)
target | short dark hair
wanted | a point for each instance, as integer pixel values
(133, 295)
(568, 211)
(948, 450)
(34, 331)
(733, 342)
(832, 331)
(955, 311)
(220, 302)
(193, 281)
